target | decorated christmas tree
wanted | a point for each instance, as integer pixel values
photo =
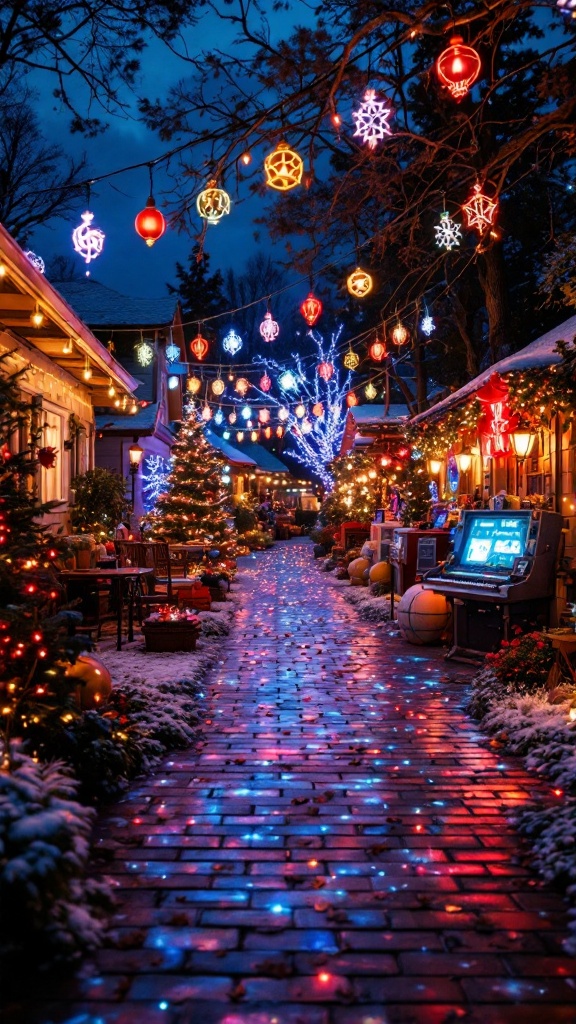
(195, 506)
(356, 492)
(34, 646)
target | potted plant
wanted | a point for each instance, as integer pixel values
(82, 545)
(100, 501)
(171, 629)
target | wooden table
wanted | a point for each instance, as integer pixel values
(189, 554)
(563, 642)
(126, 583)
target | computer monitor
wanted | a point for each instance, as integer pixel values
(493, 539)
(440, 519)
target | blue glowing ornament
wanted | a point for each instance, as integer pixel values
(287, 381)
(219, 417)
(232, 342)
(246, 412)
(427, 325)
(225, 434)
(172, 352)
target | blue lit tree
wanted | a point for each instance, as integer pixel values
(316, 437)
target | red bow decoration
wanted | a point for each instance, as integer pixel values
(47, 457)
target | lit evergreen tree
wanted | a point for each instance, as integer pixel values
(195, 506)
(357, 488)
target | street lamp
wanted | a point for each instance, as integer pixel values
(522, 443)
(135, 453)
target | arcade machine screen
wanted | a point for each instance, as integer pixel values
(494, 541)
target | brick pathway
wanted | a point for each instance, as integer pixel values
(335, 851)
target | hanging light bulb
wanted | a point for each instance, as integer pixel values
(37, 317)
(240, 435)
(351, 399)
(111, 389)
(325, 370)
(150, 223)
(287, 381)
(370, 391)
(377, 351)
(218, 386)
(87, 371)
(400, 334)
(311, 309)
(242, 385)
(264, 415)
(246, 158)
(351, 360)
(458, 67)
(68, 347)
(213, 203)
(199, 347)
(232, 342)
(279, 431)
(306, 426)
(254, 435)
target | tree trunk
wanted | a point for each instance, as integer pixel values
(420, 370)
(461, 318)
(492, 277)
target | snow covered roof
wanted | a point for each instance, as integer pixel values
(263, 458)
(363, 414)
(100, 306)
(540, 352)
(228, 451)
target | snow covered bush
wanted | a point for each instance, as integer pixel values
(48, 907)
(520, 666)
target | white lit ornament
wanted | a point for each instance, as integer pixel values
(88, 242)
(300, 410)
(144, 353)
(246, 412)
(213, 203)
(172, 383)
(269, 329)
(172, 352)
(371, 119)
(232, 342)
(427, 325)
(306, 426)
(218, 386)
(206, 413)
(370, 391)
(448, 232)
(219, 417)
(287, 381)
(283, 413)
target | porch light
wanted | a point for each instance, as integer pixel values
(522, 443)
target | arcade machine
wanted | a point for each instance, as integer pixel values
(414, 550)
(501, 573)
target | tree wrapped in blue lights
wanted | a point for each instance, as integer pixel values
(317, 435)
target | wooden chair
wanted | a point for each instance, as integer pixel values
(164, 585)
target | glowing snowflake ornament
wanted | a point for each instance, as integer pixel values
(88, 242)
(371, 119)
(480, 210)
(36, 261)
(287, 381)
(448, 232)
(232, 342)
(427, 325)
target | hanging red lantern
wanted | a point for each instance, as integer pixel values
(265, 383)
(150, 223)
(351, 399)
(268, 432)
(199, 347)
(325, 370)
(318, 409)
(279, 431)
(377, 351)
(47, 457)
(458, 67)
(311, 309)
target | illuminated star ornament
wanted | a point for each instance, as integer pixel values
(371, 119)
(480, 210)
(232, 342)
(88, 242)
(448, 232)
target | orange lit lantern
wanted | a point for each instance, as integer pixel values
(359, 283)
(242, 385)
(279, 431)
(283, 168)
(458, 67)
(400, 334)
(318, 409)
(254, 435)
(265, 383)
(199, 347)
(218, 386)
(300, 410)
(150, 223)
(325, 370)
(268, 432)
(264, 415)
(193, 385)
(311, 309)
(351, 399)
(213, 203)
(269, 329)
(377, 351)
(351, 360)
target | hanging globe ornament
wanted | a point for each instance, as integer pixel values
(88, 242)
(479, 210)
(306, 426)
(287, 381)
(311, 309)
(318, 409)
(359, 283)
(242, 385)
(371, 119)
(150, 223)
(269, 329)
(448, 232)
(264, 415)
(400, 334)
(172, 352)
(351, 360)
(232, 342)
(370, 391)
(254, 435)
(283, 413)
(218, 386)
(300, 410)
(193, 385)
(206, 413)
(351, 399)
(377, 351)
(232, 417)
(213, 203)
(325, 370)
(144, 352)
(283, 168)
(199, 347)
(265, 383)
(458, 68)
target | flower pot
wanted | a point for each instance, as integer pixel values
(163, 637)
(82, 558)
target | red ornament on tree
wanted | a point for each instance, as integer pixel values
(47, 457)
(199, 347)
(150, 223)
(377, 351)
(311, 309)
(265, 383)
(458, 67)
(351, 399)
(325, 370)
(480, 210)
